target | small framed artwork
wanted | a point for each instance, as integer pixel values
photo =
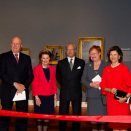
(85, 43)
(25, 51)
(56, 53)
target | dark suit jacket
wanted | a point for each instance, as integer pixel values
(11, 72)
(70, 80)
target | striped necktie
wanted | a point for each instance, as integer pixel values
(16, 56)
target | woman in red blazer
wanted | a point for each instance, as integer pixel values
(116, 77)
(44, 89)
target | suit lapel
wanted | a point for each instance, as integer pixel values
(67, 65)
(14, 65)
(76, 64)
(91, 68)
(43, 75)
(12, 57)
(100, 67)
(51, 73)
(20, 59)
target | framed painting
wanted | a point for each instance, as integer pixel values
(85, 43)
(56, 53)
(25, 51)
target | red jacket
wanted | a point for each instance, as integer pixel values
(40, 85)
(118, 77)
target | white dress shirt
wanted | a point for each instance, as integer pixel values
(69, 59)
(18, 54)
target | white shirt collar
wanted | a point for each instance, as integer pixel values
(73, 59)
(18, 54)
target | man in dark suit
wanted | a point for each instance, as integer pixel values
(68, 74)
(16, 74)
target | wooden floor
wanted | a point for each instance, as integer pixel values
(54, 124)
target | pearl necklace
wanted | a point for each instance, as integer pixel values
(45, 67)
(113, 66)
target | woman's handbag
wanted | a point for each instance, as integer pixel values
(103, 98)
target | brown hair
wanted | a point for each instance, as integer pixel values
(47, 52)
(118, 50)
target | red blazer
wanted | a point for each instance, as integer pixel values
(40, 85)
(118, 77)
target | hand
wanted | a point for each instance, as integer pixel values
(38, 102)
(20, 87)
(113, 90)
(55, 97)
(95, 84)
(18, 92)
(121, 100)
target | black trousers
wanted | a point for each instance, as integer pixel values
(64, 110)
(21, 123)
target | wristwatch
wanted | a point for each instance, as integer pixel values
(36, 98)
(14, 83)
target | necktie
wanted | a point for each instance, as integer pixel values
(16, 56)
(71, 64)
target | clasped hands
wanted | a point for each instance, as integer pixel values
(120, 99)
(95, 84)
(20, 87)
(38, 101)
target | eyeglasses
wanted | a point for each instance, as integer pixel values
(92, 54)
(70, 49)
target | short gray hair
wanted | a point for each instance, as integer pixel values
(71, 44)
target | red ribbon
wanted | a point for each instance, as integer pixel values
(120, 119)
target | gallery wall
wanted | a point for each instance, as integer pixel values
(58, 22)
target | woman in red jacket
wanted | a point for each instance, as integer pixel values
(44, 89)
(116, 77)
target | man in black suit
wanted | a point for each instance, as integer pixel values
(16, 74)
(68, 74)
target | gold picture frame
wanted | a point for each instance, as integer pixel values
(25, 51)
(56, 53)
(85, 43)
